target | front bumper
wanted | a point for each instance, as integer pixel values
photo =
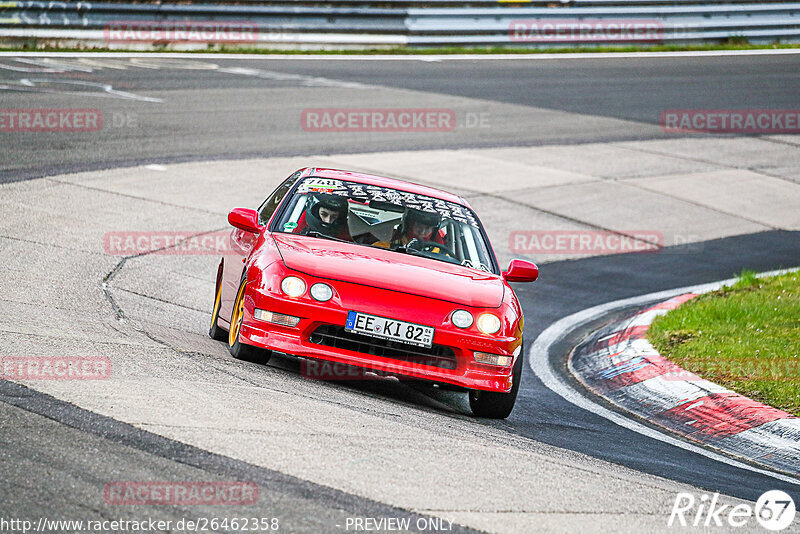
(466, 372)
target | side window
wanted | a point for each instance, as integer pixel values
(271, 204)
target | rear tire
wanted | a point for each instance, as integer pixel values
(494, 405)
(215, 331)
(239, 350)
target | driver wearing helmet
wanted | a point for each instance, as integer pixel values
(326, 214)
(415, 224)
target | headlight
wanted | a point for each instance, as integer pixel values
(462, 318)
(321, 292)
(488, 323)
(293, 286)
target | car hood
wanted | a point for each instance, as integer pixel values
(376, 267)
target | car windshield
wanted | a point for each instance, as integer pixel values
(395, 220)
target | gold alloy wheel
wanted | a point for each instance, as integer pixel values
(237, 316)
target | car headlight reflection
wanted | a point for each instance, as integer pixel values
(293, 286)
(321, 292)
(462, 318)
(488, 323)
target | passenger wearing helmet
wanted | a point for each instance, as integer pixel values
(326, 214)
(415, 224)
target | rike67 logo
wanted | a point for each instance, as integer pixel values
(774, 510)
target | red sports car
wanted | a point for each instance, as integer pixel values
(380, 274)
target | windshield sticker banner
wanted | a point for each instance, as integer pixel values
(367, 193)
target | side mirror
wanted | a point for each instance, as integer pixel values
(521, 271)
(245, 219)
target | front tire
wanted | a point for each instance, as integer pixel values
(495, 405)
(239, 350)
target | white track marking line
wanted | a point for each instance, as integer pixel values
(539, 359)
(307, 81)
(32, 85)
(420, 57)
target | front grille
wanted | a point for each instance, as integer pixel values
(337, 337)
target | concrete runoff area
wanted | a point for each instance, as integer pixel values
(388, 442)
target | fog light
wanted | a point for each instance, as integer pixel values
(462, 318)
(277, 318)
(293, 286)
(493, 359)
(488, 323)
(321, 292)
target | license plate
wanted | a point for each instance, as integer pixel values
(385, 328)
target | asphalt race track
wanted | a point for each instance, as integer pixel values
(563, 468)
(224, 108)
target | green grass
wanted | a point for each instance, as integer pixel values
(32, 46)
(745, 337)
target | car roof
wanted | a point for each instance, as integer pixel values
(371, 179)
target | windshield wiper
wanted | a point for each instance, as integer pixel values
(326, 236)
(422, 254)
(412, 251)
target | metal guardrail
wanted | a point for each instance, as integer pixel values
(294, 24)
(435, 3)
